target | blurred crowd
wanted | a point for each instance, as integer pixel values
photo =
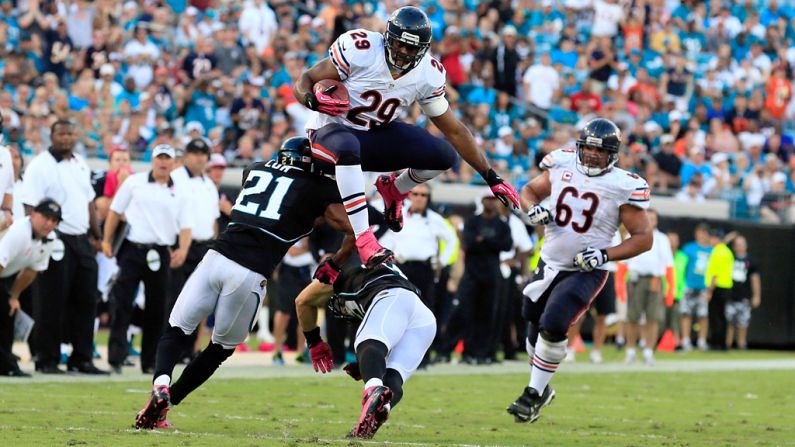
(702, 90)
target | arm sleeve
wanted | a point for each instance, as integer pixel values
(10, 246)
(346, 55)
(123, 197)
(33, 185)
(636, 192)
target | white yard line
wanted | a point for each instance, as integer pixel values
(245, 369)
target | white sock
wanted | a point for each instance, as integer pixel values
(373, 382)
(162, 380)
(648, 353)
(350, 182)
(546, 360)
(631, 352)
(410, 178)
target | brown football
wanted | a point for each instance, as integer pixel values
(333, 88)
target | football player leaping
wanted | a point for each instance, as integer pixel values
(396, 331)
(589, 198)
(280, 203)
(384, 75)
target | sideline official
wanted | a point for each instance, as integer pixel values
(156, 210)
(24, 252)
(65, 295)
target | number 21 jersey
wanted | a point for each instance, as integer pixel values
(585, 209)
(276, 208)
(376, 98)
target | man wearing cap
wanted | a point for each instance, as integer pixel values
(203, 201)
(157, 210)
(65, 297)
(24, 251)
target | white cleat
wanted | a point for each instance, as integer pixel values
(596, 357)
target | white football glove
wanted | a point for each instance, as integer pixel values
(590, 258)
(538, 215)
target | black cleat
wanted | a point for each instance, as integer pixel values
(155, 411)
(527, 408)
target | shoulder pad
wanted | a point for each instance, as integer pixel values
(557, 158)
(355, 49)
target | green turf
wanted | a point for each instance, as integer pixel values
(614, 409)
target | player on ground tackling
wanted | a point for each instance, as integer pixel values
(279, 204)
(396, 331)
(590, 198)
(385, 75)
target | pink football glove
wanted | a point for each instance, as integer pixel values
(327, 272)
(330, 105)
(322, 360)
(501, 190)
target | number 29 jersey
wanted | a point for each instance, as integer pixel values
(277, 206)
(585, 209)
(375, 97)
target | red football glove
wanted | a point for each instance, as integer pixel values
(322, 359)
(501, 190)
(352, 369)
(327, 272)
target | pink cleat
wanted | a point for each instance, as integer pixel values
(154, 413)
(374, 412)
(393, 201)
(370, 251)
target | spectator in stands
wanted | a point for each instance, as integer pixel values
(541, 83)
(505, 61)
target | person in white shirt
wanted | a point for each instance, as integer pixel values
(24, 251)
(541, 81)
(141, 55)
(203, 197)
(608, 14)
(258, 24)
(647, 272)
(70, 282)
(157, 210)
(416, 247)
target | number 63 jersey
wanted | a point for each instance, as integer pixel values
(277, 206)
(585, 209)
(376, 98)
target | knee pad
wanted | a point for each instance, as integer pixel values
(339, 140)
(448, 155)
(551, 353)
(531, 350)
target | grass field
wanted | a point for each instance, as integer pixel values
(448, 405)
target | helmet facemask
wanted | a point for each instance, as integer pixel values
(589, 169)
(403, 52)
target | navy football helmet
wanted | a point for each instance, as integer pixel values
(601, 134)
(407, 38)
(296, 152)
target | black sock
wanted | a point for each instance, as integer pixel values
(198, 371)
(394, 381)
(169, 349)
(372, 359)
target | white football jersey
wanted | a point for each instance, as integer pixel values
(585, 209)
(376, 98)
